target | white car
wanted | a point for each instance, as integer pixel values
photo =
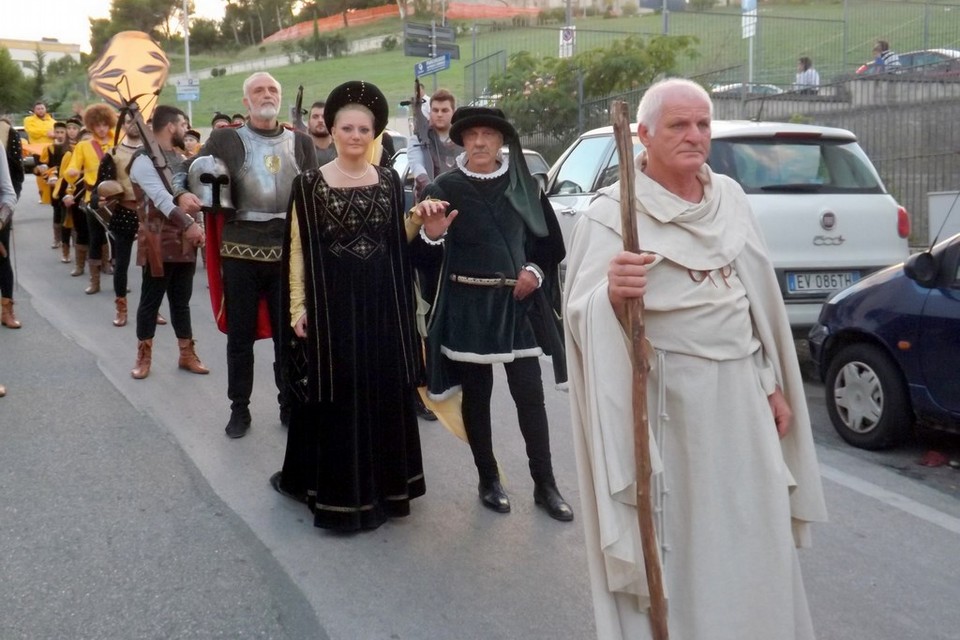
(826, 217)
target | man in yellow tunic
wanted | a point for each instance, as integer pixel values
(100, 120)
(39, 128)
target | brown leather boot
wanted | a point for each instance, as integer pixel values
(121, 319)
(65, 253)
(56, 237)
(188, 357)
(7, 317)
(81, 260)
(144, 354)
(94, 286)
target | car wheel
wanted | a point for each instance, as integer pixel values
(867, 399)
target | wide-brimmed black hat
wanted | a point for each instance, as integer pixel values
(362, 93)
(468, 117)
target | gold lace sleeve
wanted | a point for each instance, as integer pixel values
(297, 297)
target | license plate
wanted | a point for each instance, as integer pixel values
(820, 281)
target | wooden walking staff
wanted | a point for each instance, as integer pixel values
(638, 355)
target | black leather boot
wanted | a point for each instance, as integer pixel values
(546, 495)
(239, 422)
(494, 497)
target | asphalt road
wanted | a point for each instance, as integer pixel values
(126, 513)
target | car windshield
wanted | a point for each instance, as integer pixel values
(579, 169)
(765, 165)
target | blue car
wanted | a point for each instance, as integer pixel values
(888, 350)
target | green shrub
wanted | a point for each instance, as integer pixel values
(389, 43)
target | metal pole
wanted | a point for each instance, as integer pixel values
(665, 12)
(433, 49)
(569, 14)
(186, 51)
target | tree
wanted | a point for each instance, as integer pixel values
(547, 95)
(204, 35)
(39, 67)
(14, 97)
(150, 16)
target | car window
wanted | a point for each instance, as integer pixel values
(611, 172)
(536, 163)
(764, 165)
(579, 168)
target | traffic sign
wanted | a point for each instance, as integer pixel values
(422, 49)
(188, 90)
(414, 31)
(432, 65)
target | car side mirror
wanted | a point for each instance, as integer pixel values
(922, 268)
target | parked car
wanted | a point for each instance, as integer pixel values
(751, 89)
(825, 215)
(399, 140)
(887, 350)
(535, 162)
(929, 62)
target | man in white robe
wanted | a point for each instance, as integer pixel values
(736, 482)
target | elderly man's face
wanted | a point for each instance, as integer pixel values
(263, 98)
(482, 145)
(680, 143)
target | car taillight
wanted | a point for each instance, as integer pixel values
(903, 223)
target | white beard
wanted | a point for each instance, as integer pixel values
(268, 112)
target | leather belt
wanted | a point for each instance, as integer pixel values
(499, 281)
(259, 216)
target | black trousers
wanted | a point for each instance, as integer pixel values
(122, 249)
(6, 271)
(177, 283)
(97, 238)
(244, 282)
(80, 225)
(526, 387)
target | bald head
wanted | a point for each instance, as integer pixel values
(674, 90)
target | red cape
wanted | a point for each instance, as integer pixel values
(213, 226)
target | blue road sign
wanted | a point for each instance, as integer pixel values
(433, 65)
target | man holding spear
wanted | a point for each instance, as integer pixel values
(735, 480)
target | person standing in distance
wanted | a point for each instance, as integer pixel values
(322, 140)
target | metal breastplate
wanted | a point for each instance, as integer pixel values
(263, 184)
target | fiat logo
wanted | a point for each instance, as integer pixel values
(828, 220)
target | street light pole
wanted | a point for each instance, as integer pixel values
(186, 51)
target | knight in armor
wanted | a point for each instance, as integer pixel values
(432, 152)
(262, 159)
(167, 247)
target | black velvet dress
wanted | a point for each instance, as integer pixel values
(354, 446)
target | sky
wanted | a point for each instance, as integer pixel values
(67, 20)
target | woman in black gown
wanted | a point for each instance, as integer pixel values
(353, 449)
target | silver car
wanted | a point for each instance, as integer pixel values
(826, 217)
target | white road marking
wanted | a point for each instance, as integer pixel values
(892, 499)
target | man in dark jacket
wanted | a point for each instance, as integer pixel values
(493, 244)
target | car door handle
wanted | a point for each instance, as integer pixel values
(569, 211)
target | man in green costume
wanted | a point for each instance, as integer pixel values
(492, 246)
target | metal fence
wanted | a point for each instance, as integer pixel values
(909, 124)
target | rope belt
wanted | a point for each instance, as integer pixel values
(499, 281)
